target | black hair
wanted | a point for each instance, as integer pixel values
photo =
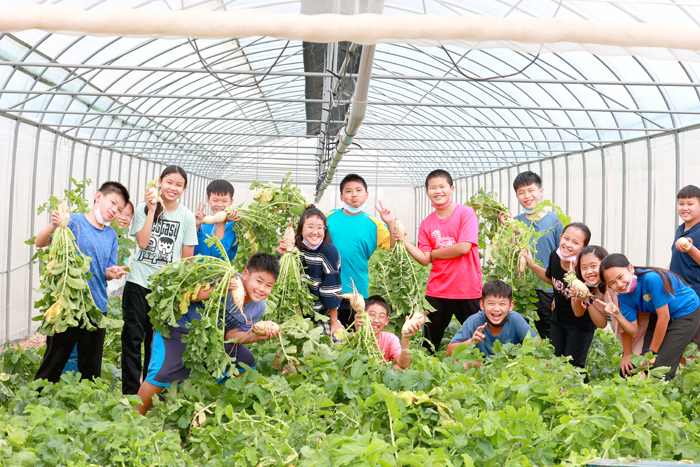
(115, 187)
(166, 171)
(525, 179)
(618, 260)
(689, 191)
(600, 253)
(312, 210)
(352, 178)
(379, 300)
(263, 262)
(439, 173)
(583, 228)
(220, 187)
(129, 203)
(497, 289)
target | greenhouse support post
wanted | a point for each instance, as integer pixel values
(650, 186)
(8, 286)
(32, 219)
(623, 222)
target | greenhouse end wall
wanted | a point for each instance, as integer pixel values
(625, 193)
(35, 164)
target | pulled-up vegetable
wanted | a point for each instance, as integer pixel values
(577, 286)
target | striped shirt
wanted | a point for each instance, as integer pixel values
(323, 267)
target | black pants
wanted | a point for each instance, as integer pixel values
(60, 346)
(571, 342)
(679, 334)
(137, 330)
(346, 315)
(445, 308)
(544, 312)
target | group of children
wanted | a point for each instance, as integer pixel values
(649, 309)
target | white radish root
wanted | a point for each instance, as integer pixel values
(152, 187)
(578, 287)
(261, 328)
(414, 318)
(238, 293)
(683, 242)
(399, 229)
(522, 262)
(289, 238)
(218, 218)
(357, 301)
(63, 214)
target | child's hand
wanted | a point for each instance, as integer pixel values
(116, 272)
(527, 254)
(282, 248)
(336, 325)
(385, 213)
(269, 335)
(610, 308)
(55, 219)
(233, 283)
(626, 365)
(199, 215)
(151, 196)
(412, 330)
(479, 334)
(684, 246)
(233, 216)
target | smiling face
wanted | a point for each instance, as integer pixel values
(572, 241)
(590, 265)
(126, 216)
(379, 316)
(689, 210)
(496, 308)
(257, 284)
(218, 202)
(529, 195)
(354, 194)
(439, 190)
(172, 186)
(618, 278)
(110, 205)
(313, 230)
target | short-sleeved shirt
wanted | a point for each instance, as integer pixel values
(390, 346)
(456, 278)
(168, 235)
(234, 319)
(650, 295)
(682, 263)
(228, 241)
(514, 331)
(563, 312)
(548, 242)
(323, 268)
(356, 237)
(100, 245)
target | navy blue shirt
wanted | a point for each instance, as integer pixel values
(323, 268)
(548, 242)
(514, 331)
(650, 295)
(101, 245)
(682, 263)
(229, 241)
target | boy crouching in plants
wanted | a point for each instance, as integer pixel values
(167, 365)
(378, 310)
(495, 322)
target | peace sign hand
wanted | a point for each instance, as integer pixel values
(386, 214)
(610, 308)
(199, 215)
(479, 334)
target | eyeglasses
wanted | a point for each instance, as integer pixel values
(380, 316)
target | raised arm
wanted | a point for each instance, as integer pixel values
(536, 268)
(43, 238)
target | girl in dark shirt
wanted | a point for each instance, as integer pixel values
(570, 335)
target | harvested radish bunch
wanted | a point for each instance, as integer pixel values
(67, 300)
(357, 301)
(683, 242)
(261, 328)
(152, 187)
(175, 285)
(417, 317)
(218, 218)
(291, 294)
(399, 229)
(577, 286)
(522, 262)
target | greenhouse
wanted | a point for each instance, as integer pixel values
(498, 134)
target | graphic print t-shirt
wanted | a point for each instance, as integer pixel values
(457, 277)
(563, 313)
(169, 234)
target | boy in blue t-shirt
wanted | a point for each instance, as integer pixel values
(495, 322)
(685, 256)
(529, 191)
(356, 235)
(97, 240)
(166, 365)
(219, 197)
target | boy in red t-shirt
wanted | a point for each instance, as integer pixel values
(448, 238)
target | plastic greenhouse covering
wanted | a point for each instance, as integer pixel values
(599, 97)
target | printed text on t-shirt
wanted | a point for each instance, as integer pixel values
(442, 242)
(560, 287)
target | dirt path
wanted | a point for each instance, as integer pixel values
(34, 341)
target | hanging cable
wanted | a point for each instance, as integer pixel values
(193, 43)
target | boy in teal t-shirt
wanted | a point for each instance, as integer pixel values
(219, 197)
(356, 235)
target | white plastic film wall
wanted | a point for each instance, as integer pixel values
(35, 164)
(625, 193)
